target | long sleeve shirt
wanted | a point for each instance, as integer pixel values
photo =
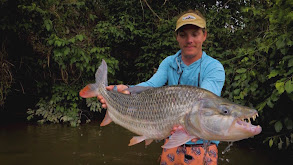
(207, 73)
(212, 74)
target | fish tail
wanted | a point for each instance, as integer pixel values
(101, 75)
(92, 90)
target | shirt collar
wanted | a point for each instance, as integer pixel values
(177, 61)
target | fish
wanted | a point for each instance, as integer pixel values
(152, 113)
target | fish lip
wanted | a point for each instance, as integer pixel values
(245, 125)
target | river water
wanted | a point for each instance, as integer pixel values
(90, 144)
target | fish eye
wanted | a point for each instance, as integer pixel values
(225, 110)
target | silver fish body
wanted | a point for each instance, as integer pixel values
(154, 112)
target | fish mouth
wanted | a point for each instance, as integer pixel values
(244, 124)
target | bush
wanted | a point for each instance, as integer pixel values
(252, 39)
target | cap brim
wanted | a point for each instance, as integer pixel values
(183, 24)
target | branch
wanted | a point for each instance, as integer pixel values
(151, 9)
(142, 9)
(165, 2)
(226, 3)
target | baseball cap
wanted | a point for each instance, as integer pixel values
(190, 18)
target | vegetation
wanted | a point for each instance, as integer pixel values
(67, 40)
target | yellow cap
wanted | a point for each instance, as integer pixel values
(190, 18)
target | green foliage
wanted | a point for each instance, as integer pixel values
(259, 70)
(94, 104)
(64, 36)
(61, 106)
(252, 39)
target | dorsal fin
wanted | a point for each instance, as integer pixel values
(137, 89)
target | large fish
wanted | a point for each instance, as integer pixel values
(152, 113)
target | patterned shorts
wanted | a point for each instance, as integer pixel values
(190, 154)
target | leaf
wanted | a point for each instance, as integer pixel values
(79, 37)
(280, 144)
(278, 2)
(280, 43)
(241, 70)
(48, 27)
(66, 51)
(72, 40)
(58, 43)
(275, 97)
(272, 122)
(271, 142)
(261, 105)
(253, 87)
(29, 117)
(273, 73)
(92, 17)
(290, 63)
(270, 104)
(93, 50)
(280, 87)
(236, 91)
(287, 141)
(289, 86)
(278, 126)
(48, 24)
(237, 77)
(288, 123)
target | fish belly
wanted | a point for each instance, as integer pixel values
(152, 129)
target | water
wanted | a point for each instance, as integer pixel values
(90, 144)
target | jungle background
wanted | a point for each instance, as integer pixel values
(50, 49)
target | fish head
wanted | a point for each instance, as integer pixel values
(220, 119)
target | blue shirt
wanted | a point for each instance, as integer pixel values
(212, 75)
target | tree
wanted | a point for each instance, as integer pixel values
(252, 39)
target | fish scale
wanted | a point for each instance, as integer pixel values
(148, 110)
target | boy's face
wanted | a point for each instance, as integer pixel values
(190, 39)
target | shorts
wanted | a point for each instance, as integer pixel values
(190, 154)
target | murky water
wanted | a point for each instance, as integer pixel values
(90, 144)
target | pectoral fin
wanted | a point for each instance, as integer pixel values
(136, 139)
(148, 141)
(177, 139)
(107, 120)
